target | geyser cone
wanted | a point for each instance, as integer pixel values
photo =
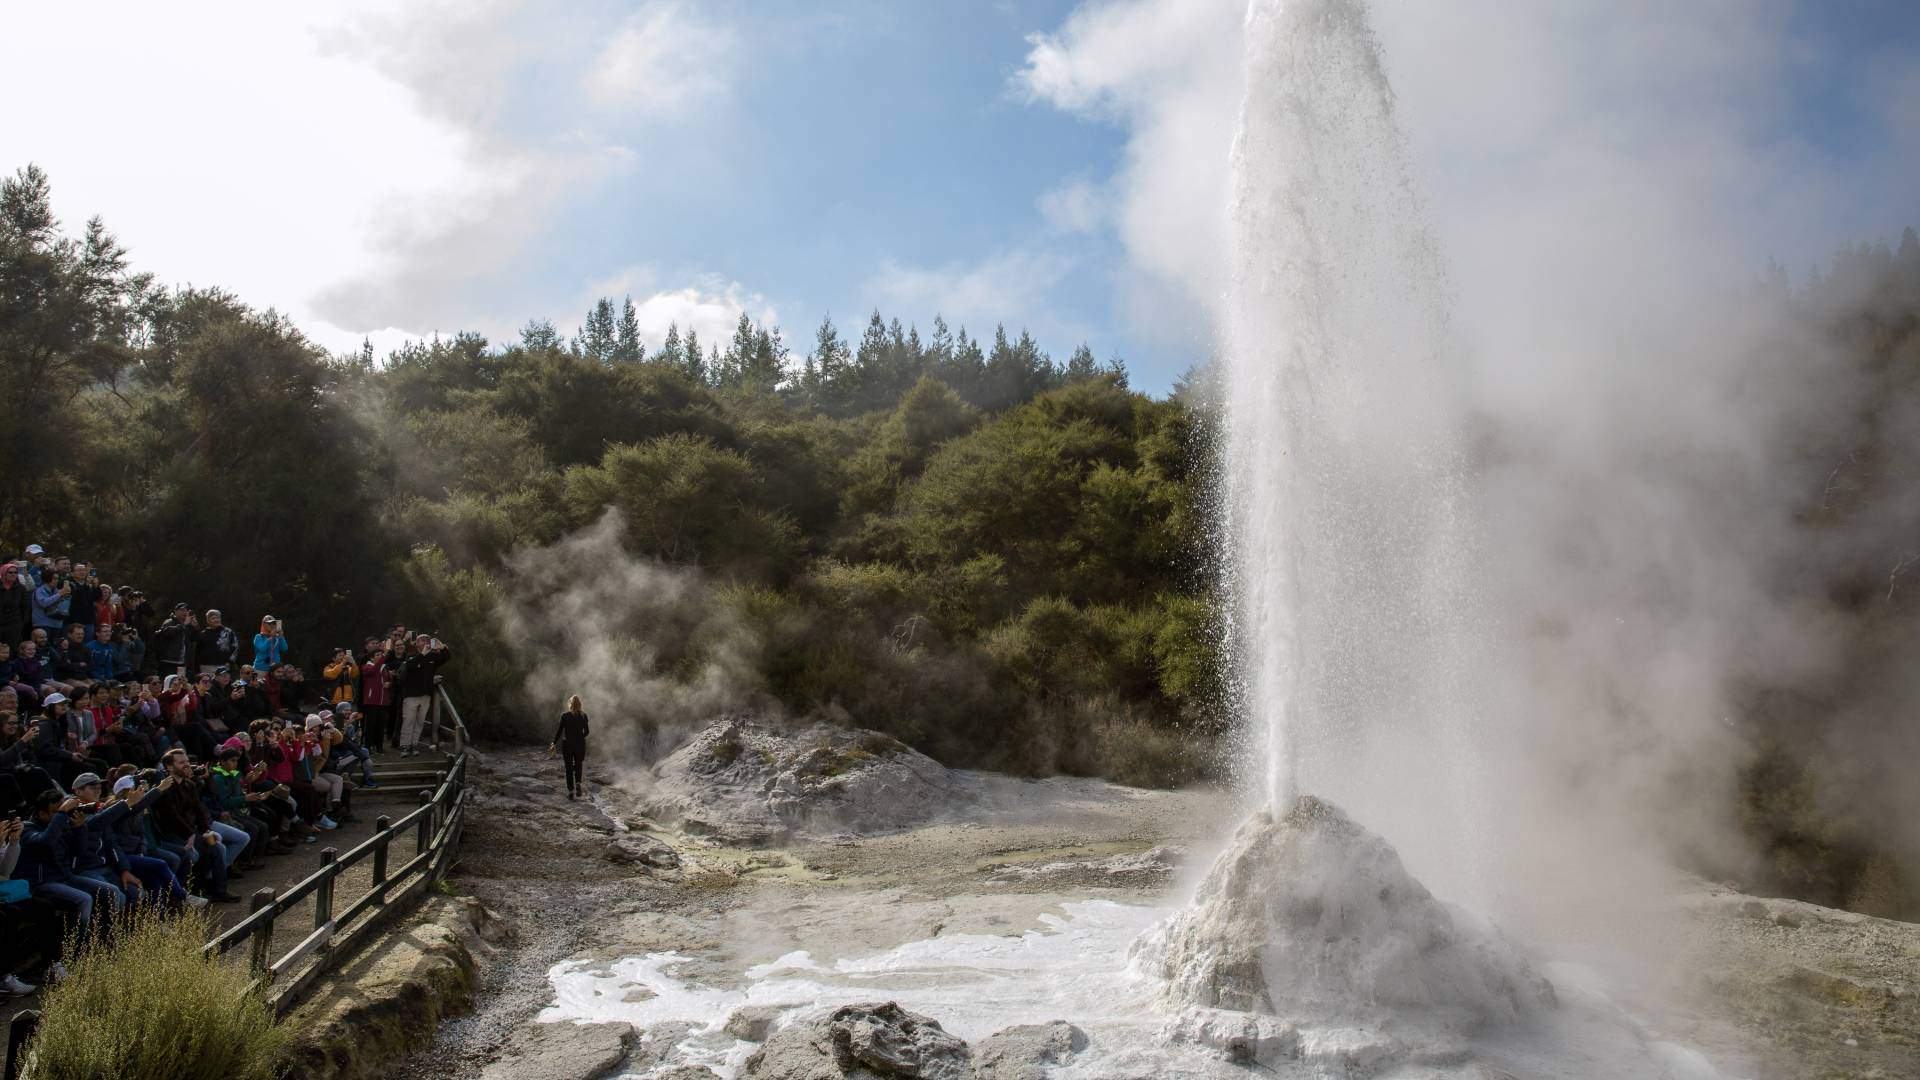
(1313, 918)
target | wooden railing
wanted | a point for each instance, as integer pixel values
(338, 930)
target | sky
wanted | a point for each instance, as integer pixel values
(401, 169)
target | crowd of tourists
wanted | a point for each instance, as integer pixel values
(145, 764)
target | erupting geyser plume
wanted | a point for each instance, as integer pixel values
(1340, 467)
(1308, 940)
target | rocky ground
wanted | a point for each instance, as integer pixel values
(600, 879)
(1764, 988)
(1798, 990)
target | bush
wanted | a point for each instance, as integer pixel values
(151, 1005)
(460, 606)
(1129, 750)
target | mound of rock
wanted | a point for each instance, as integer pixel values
(562, 1052)
(880, 1041)
(1027, 1051)
(749, 781)
(1312, 919)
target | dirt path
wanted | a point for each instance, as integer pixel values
(539, 862)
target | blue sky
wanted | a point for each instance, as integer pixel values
(401, 169)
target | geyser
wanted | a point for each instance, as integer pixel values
(1343, 561)
(1344, 558)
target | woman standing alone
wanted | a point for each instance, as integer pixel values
(571, 738)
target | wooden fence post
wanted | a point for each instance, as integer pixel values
(323, 895)
(24, 1024)
(423, 836)
(380, 827)
(262, 959)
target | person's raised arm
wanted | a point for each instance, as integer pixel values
(103, 820)
(10, 833)
(62, 819)
(153, 794)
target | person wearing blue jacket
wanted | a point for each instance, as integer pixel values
(103, 659)
(29, 926)
(85, 850)
(270, 644)
(51, 602)
(46, 864)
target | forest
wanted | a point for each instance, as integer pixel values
(946, 536)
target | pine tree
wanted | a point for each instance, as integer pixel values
(766, 360)
(539, 336)
(1082, 365)
(1037, 372)
(832, 378)
(695, 364)
(870, 381)
(967, 373)
(598, 339)
(734, 362)
(1016, 372)
(808, 389)
(670, 353)
(627, 348)
(939, 348)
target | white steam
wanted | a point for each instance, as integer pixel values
(652, 651)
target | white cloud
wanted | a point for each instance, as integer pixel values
(221, 143)
(711, 306)
(664, 59)
(1169, 71)
(1005, 287)
(368, 168)
(1076, 206)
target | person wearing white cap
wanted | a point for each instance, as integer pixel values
(138, 873)
(35, 569)
(53, 744)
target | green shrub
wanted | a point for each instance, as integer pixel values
(1130, 750)
(460, 604)
(151, 1005)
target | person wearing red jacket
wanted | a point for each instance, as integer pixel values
(376, 695)
(180, 711)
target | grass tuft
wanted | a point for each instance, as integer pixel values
(150, 1005)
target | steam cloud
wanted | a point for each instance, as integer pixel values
(652, 650)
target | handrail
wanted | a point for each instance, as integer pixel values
(443, 704)
(435, 826)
